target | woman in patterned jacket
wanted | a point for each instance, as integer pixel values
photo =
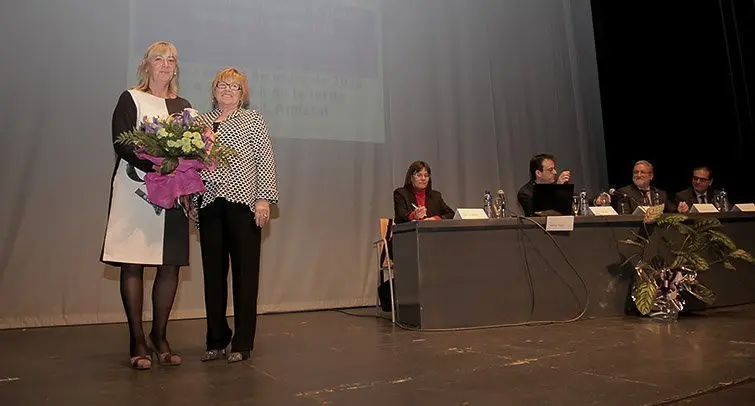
(232, 213)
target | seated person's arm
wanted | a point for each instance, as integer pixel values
(525, 201)
(603, 199)
(681, 204)
(402, 212)
(445, 211)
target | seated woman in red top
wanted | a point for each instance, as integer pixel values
(417, 200)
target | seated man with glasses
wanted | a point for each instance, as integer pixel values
(542, 170)
(641, 192)
(700, 191)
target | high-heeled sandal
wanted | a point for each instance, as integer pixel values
(238, 356)
(165, 358)
(169, 359)
(212, 355)
(141, 362)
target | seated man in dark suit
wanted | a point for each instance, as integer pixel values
(700, 192)
(417, 200)
(542, 170)
(640, 192)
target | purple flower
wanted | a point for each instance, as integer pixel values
(186, 118)
(150, 128)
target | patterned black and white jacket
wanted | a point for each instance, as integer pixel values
(250, 175)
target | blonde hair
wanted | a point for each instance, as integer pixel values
(142, 71)
(231, 74)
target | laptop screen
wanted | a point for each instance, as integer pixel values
(553, 197)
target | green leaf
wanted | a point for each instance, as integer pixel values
(706, 224)
(685, 229)
(721, 238)
(632, 242)
(697, 261)
(657, 262)
(672, 220)
(642, 272)
(690, 259)
(169, 165)
(700, 291)
(699, 243)
(640, 238)
(126, 137)
(741, 254)
(679, 261)
(728, 265)
(644, 295)
(626, 261)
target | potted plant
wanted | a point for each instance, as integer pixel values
(665, 269)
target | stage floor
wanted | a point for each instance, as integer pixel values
(324, 358)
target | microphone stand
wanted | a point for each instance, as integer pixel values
(624, 196)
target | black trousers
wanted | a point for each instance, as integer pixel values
(227, 230)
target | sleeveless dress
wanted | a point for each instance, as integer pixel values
(136, 232)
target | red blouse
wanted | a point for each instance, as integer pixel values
(420, 196)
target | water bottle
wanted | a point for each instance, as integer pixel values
(583, 205)
(500, 204)
(724, 200)
(486, 203)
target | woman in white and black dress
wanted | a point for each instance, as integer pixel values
(232, 213)
(139, 234)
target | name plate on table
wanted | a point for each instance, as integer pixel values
(559, 223)
(640, 210)
(703, 208)
(601, 211)
(469, 214)
(745, 207)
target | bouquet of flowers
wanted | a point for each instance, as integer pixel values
(180, 148)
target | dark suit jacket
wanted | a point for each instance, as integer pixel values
(690, 196)
(404, 198)
(635, 198)
(524, 197)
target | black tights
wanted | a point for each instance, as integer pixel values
(163, 293)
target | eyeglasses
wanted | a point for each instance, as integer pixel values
(232, 86)
(422, 175)
(642, 172)
(699, 179)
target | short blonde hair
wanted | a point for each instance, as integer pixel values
(231, 74)
(156, 49)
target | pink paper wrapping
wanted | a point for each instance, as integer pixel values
(164, 190)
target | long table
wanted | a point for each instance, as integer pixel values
(471, 273)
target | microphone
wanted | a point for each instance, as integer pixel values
(614, 192)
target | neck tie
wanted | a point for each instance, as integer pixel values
(702, 199)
